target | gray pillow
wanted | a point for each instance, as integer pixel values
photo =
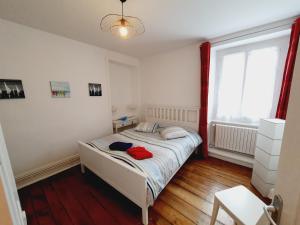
(147, 127)
(173, 132)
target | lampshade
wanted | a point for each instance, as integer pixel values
(121, 25)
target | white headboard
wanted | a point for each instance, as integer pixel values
(173, 115)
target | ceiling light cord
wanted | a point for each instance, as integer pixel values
(123, 8)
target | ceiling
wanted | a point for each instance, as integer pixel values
(169, 24)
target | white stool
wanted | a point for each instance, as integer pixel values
(241, 204)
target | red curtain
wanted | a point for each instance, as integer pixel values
(205, 63)
(288, 72)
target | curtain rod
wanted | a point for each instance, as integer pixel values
(251, 33)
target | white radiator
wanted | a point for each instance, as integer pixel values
(235, 138)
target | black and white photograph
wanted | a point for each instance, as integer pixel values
(95, 89)
(11, 89)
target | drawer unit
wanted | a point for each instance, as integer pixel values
(272, 128)
(263, 187)
(269, 161)
(267, 153)
(269, 145)
(269, 176)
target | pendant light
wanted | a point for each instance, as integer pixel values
(122, 26)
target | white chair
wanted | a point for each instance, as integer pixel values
(241, 204)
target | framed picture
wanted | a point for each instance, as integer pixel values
(11, 89)
(60, 89)
(95, 89)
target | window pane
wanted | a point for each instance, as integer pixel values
(231, 82)
(259, 84)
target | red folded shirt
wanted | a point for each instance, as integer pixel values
(139, 153)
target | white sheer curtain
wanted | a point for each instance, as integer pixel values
(247, 82)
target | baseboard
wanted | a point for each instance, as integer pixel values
(231, 157)
(46, 171)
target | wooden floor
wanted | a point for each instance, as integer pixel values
(71, 198)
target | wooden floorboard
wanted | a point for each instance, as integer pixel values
(59, 213)
(26, 204)
(70, 198)
(41, 206)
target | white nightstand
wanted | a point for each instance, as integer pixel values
(117, 124)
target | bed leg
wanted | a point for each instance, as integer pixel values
(145, 215)
(82, 168)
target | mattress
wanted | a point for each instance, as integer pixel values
(168, 155)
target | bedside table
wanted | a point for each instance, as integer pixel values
(117, 124)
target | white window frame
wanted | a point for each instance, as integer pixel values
(216, 71)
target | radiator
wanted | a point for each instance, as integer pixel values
(235, 138)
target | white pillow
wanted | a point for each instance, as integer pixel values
(173, 132)
(147, 127)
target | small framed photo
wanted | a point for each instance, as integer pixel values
(60, 89)
(95, 89)
(11, 89)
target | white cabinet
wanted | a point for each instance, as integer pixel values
(267, 153)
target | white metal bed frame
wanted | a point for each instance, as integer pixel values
(124, 178)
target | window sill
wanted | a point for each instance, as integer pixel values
(212, 122)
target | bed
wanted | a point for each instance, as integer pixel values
(141, 181)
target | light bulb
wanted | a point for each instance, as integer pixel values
(123, 31)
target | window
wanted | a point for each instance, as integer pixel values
(247, 81)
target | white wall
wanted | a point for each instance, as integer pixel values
(172, 78)
(40, 129)
(124, 89)
(288, 181)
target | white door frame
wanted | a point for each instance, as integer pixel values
(9, 185)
